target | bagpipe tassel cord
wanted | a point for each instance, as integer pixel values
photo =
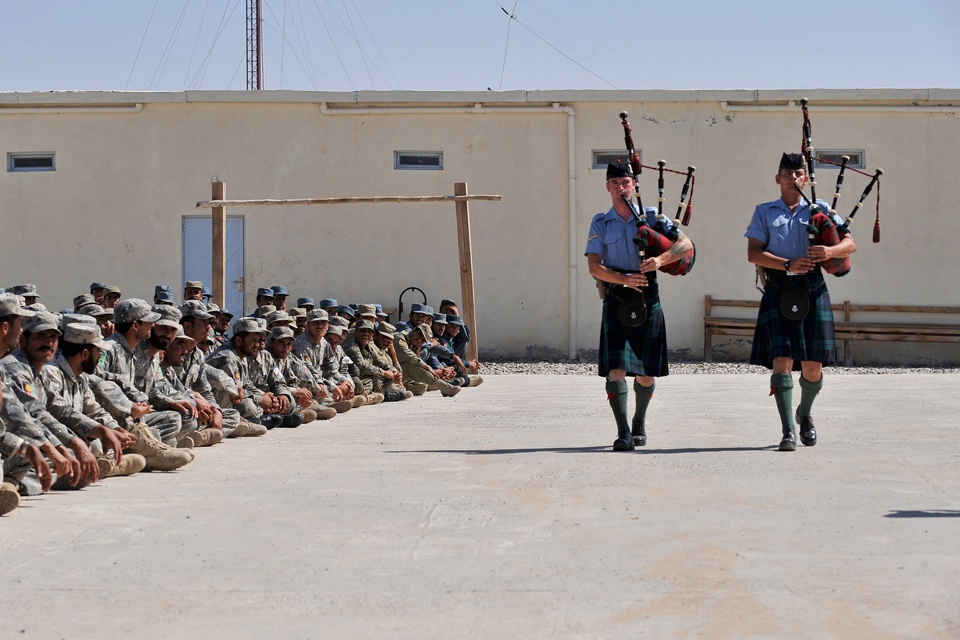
(876, 223)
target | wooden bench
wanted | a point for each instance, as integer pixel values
(846, 330)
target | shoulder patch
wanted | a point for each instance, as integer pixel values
(347, 359)
(28, 389)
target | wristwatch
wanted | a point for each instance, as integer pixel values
(786, 266)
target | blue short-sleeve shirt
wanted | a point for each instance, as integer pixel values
(612, 237)
(784, 232)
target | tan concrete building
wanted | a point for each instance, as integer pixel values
(122, 173)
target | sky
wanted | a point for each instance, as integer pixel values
(347, 45)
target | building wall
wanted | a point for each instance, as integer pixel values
(112, 210)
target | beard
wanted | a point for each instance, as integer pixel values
(89, 365)
(158, 342)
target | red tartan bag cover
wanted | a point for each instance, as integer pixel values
(656, 243)
(828, 235)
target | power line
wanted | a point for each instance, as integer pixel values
(295, 50)
(137, 57)
(195, 42)
(202, 70)
(168, 50)
(354, 31)
(322, 19)
(283, 40)
(376, 45)
(605, 46)
(510, 16)
(305, 43)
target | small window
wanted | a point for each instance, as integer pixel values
(429, 160)
(603, 157)
(31, 162)
(833, 155)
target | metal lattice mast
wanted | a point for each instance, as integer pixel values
(254, 44)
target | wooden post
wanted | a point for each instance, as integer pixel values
(707, 339)
(218, 253)
(466, 267)
(847, 344)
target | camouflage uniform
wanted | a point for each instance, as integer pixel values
(71, 400)
(415, 378)
(266, 376)
(149, 378)
(227, 360)
(192, 376)
(368, 365)
(313, 355)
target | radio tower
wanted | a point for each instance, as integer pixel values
(254, 44)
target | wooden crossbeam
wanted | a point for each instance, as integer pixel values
(206, 204)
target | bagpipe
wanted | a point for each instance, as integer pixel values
(650, 242)
(821, 227)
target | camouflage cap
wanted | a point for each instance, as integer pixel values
(335, 330)
(339, 321)
(25, 290)
(213, 309)
(182, 336)
(36, 306)
(279, 333)
(423, 330)
(298, 312)
(386, 329)
(247, 325)
(83, 300)
(317, 315)
(266, 310)
(41, 321)
(363, 324)
(113, 289)
(367, 311)
(85, 334)
(262, 323)
(75, 318)
(10, 306)
(95, 310)
(169, 316)
(133, 310)
(279, 316)
(194, 309)
(193, 284)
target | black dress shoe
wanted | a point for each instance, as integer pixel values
(808, 433)
(270, 420)
(291, 420)
(639, 433)
(789, 442)
(623, 444)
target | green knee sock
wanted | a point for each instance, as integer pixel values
(782, 385)
(644, 394)
(808, 394)
(617, 396)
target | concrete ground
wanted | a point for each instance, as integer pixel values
(503, 513)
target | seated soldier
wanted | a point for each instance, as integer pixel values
(265, 375)
(417, 376)
(264, 298)
(22, 372)
(330, 306)
(336, 370)
(313, 349)
(27, 291)
(96, 290)
(134, 322)
(309, 394)
(104, 318)
(148, 375)
(234, 359)
(111, 297)
(444, 352)
(374, 368)
(459, 336)
(222, 327)
(209, 419)
(71, 400)
(279, 319)
(193, 290)
(280, 297)
(305, 303)
(299, 316)
(82, 301)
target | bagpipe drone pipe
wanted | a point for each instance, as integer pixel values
(650, 242)
(821, 227)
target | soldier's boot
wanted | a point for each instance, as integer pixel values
(9, 498)
(395, 394)
(253, 430)
(447, 390)
(475, 381)
(240, 430)
(324, 412)
(357, 402)
(270, 421)
(157, 455)
(345, 405)
(374, 398)
(290, 420)
(308, 415)
(206, 437)
(130, 463)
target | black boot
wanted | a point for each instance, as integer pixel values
(808, 433)
(291, 420)
(639, 433)
(270, 420)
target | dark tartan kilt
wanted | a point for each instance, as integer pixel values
(640, 351)
(810, 339)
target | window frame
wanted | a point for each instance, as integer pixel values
(397, 166)
(622, 153)
(12, 156)
(842, 152)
